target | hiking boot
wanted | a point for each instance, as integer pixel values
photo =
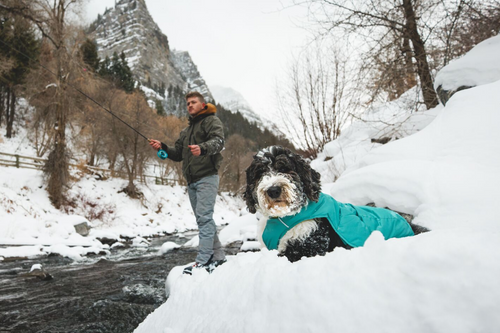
(209, 266)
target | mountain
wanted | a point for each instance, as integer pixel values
(129, 28)
(165, 74)
(234, 101)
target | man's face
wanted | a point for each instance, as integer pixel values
(194, 106)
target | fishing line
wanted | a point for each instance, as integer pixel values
(162, 154)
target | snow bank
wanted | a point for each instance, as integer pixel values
(447, 175)
(479, 66)
(394, 120)
(437, 282)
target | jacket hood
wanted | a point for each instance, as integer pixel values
(209, 110)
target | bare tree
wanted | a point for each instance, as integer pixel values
(375, 20)
(237, 157)
(133, 150)
(167, 130)
(314, 102)
(51, 18)
(399, 37)
(467, 24)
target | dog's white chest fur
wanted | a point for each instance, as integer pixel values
(300, 232)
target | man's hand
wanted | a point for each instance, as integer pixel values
(155, 144)
(195, 150)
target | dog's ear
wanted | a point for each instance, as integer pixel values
(309, 177)
(248, 195)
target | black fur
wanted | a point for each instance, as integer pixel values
(319, 242)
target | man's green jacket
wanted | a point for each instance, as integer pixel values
(205, 130)
(354, 224)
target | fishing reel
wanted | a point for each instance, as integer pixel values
(162, 154)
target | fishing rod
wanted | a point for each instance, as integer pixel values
(162, 154)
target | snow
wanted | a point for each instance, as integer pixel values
(450, 165)
(409, 285)
(36, 267)
(33, 227)
(168, 246)
(479, 66)
(393, 120)
(445, 170)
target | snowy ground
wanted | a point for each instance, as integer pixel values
(27, 217)
(447, 175)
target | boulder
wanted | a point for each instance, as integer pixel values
(82, 228)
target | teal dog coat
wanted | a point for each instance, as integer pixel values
(354, 224)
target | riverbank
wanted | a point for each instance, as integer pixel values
(31, 227)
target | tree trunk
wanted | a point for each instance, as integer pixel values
(7, 110)
(11, 114)
(430, 97)
(57, 164)
(2, 105)
(409, 70)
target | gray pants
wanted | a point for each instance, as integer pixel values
(202, 195)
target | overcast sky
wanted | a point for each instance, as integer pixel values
(242, 44)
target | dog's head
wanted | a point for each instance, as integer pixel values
(280, 183)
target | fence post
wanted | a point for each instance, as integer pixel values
(17, 161)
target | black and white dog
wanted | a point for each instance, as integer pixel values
(279, 184)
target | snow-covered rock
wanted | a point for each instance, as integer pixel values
(168, 246)
(479, 66)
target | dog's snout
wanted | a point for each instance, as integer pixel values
(274, 192)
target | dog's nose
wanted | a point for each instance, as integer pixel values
(274, 192)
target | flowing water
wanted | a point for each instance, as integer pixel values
(112, 293)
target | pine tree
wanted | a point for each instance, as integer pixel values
(105, 68)
(160, 110)
(89, 54)
(19, 35)
(126, 78)
(117, 70)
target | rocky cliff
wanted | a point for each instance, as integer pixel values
(129, 27)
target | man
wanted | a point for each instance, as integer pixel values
(198, 147)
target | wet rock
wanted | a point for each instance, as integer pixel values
(38, 272)
(233, 248)
(105, 240)
(82, 228)
(142, 294)
(445, 95)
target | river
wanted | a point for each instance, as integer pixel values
(112, 293)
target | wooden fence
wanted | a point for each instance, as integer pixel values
(27, 162)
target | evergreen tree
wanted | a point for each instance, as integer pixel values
(160, 110)
(117, 70)
(19, 35)
(89, 54)
(105, 68)
(162, 90)
(125, 76)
